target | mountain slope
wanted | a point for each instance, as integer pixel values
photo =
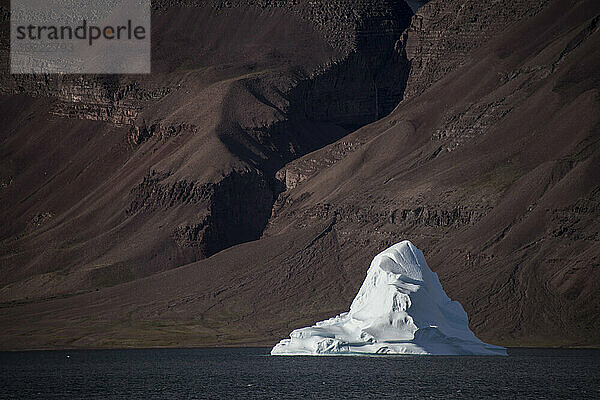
(109, 179)
(494, 172)
(490, 167)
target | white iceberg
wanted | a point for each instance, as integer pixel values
(400, 308)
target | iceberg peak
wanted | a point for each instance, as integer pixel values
(401, 308)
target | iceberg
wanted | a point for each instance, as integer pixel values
(401, 308)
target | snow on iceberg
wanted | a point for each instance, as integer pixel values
(400, 308)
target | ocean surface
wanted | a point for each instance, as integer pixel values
(253, 374)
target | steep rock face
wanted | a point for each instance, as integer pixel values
(443, 33)
(234, 210)
(369, 82)
(357, 56)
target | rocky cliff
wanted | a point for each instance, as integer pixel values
(442, 35)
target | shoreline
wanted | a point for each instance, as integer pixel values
(223, 347)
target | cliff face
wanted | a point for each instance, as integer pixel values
(330, 49)
(114, 191)
(370, 81)
(176, 166)
(442, 34)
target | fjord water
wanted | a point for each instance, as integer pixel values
(252, 373)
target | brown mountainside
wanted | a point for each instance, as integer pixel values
(224, 201)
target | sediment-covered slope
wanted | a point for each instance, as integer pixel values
(400, 308)
(108, 179)
(491, 169)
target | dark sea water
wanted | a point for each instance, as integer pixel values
(252, 374)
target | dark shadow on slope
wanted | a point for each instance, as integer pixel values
(322, 108)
